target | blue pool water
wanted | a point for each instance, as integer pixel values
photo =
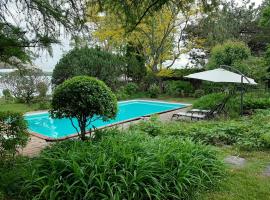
(43, 124)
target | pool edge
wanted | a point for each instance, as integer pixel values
(49, 139)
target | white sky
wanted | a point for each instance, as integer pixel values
(47, 63)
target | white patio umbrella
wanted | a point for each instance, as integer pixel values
(221, 75)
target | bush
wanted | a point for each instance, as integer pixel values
(42, 89)
(121, 93)
(251, 102)
(121, 166)
(13, 133)
(154, 91)
(152, 126)
(131, 88)
(86, 99)
(247, 133)
(265, 138)
(179, 88)
(228, 53)
(199, 93)
(7, 94)
(211, 100)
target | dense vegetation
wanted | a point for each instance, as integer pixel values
(119, 166)
(13, 134)
(251, 102)
(90, 62)
(249, 133)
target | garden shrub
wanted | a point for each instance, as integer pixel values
(86, 99)
(265, 138)
(179, 88)
(154, 91)
(151, 126)
(252, 101)
(247, 133)
(211, 100)
(7, 94)
(131, 88)
(13, 133)
(121, 166)
(121, 94)
(199, 93)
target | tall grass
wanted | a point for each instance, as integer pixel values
(121, 166)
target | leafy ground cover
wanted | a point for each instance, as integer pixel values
(251, 132)
(117, 166)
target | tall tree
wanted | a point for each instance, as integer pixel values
(161, 34)
(36, 23)
(231, 21)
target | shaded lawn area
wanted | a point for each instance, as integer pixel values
(247, 183)
(17, 107)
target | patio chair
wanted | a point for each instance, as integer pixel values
(199, 114)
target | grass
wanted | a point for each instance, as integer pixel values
(246, 183)
(17, 107)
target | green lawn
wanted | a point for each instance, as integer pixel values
(246, 183)
(17, 107)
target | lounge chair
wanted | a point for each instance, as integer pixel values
(199, 114)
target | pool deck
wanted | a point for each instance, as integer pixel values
(36, 144)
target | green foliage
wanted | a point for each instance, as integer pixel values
(131, 88)
(231, 20)
(151, 126)
(247, 133)
(254, 67)
(265, 138)
(199, 93)
(91, 62)
(228, 53)
(84, 98)
(42, 89)
(265, 15)
(23, 83)
(179, 88)
(121, 166)
(211, 100)
(154, 91)
(7, 94)
(13, 133)
(135, 60)
(253, 101)
(42, 21)
(12, 41)
(121, 93)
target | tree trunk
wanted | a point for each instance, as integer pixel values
(82, 124)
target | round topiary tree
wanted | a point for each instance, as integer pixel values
(85, 99)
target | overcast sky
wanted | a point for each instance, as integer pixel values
(47, 63)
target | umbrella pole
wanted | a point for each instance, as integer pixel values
(242, 94)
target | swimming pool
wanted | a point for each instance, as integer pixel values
(48, 128)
